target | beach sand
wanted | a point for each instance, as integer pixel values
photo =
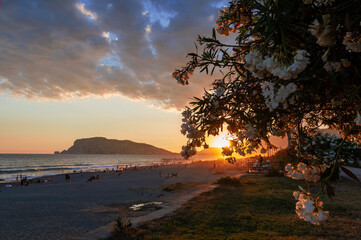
(78, 210)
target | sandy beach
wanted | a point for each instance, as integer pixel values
(62, 210)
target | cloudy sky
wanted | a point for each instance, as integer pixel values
(73, 69)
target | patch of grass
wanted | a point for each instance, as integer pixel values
(179, 186)
(124, 229)
(229, 181)
(256, 208)
(173, 187)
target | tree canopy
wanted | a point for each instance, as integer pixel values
(288, 67)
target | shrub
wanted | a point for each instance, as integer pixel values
(230, 181)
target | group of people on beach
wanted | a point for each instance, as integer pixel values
(169, 175)
(97, 177)
(23, 180)
(121, 170)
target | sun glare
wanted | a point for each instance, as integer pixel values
(220, 141)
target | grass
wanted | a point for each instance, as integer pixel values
(229, 181)
(179, 186)
(256, 208)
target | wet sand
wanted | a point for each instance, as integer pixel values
(61, 210)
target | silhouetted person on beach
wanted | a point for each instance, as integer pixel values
(260, 162)
(67, 178)
(24, 181)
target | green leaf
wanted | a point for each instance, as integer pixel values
(349, 173)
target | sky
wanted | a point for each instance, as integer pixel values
(74, 69)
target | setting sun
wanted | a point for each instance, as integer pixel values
(220, 141)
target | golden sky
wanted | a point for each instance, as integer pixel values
(80, 68)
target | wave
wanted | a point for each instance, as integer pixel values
(65, 168)
(30, 170)
(13, 178)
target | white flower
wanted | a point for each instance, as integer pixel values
(291, 87)
(296, 194)
(315, 170)
(301, 166)
(327, 67)
(309, 206)
(345, 63)
(322, 215)
(220, 91)
(323, 32)
(186, 113)
(288, 167)
(353, 44)
(261, 68)
(333, 66)
(273, 98)
(306, 206)
(336, 66)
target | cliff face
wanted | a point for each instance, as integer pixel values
(100, 145)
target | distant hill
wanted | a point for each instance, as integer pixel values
(101, 145)
(215, 151)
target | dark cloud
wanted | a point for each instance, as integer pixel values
(51, 50)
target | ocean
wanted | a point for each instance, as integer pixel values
(39, 165)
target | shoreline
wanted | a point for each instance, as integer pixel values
(95, 169)
(59, 170)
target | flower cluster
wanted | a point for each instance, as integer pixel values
(263, 67)
(352, 43)
(287, 69)
(188, 151)
(325, 33)
(310, 209)
(274, 98)
(332, 66)
(191, 132)
(319, 3)
(304, 172)
(325, 147)
(224, 26)
(182, 76)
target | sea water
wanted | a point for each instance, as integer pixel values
(38, 165)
